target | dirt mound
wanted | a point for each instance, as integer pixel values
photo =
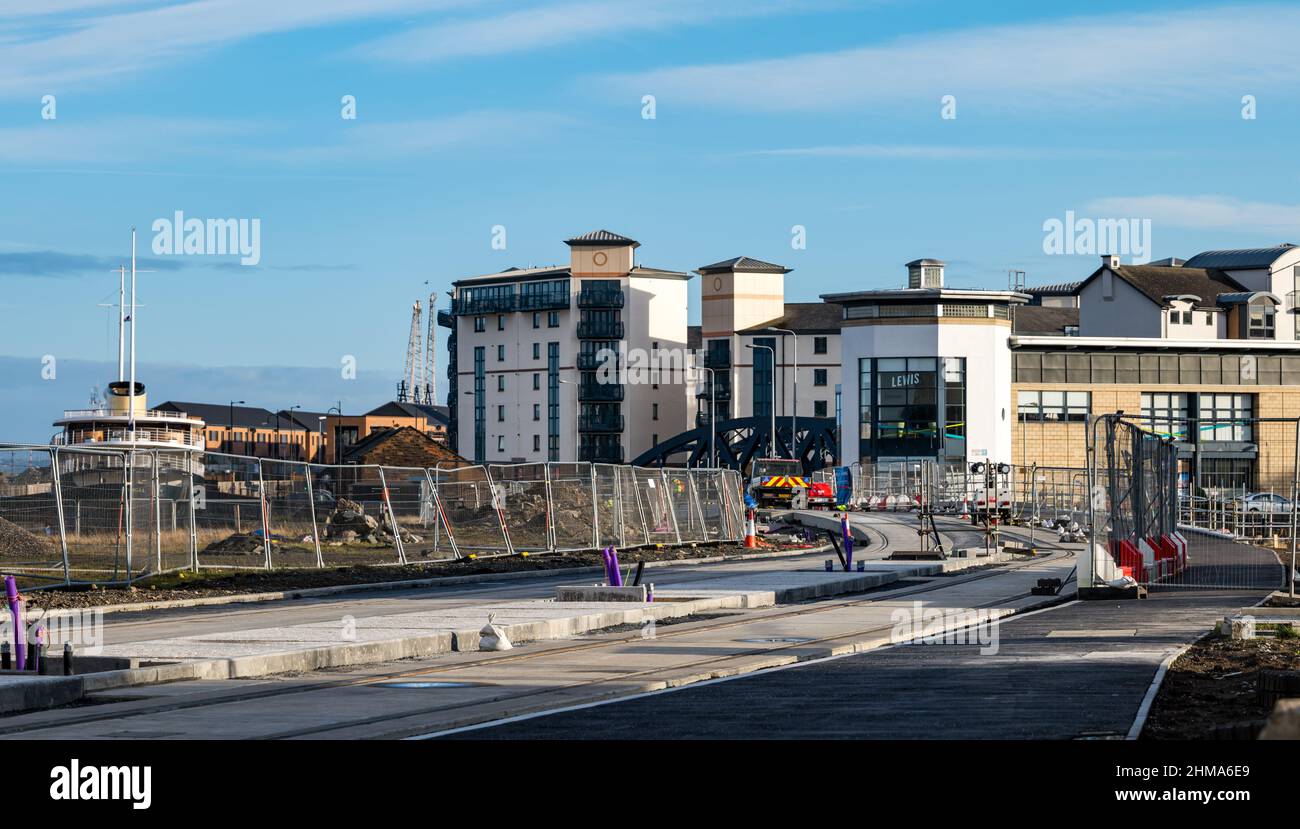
(349, 523)
(15, 542)
(236, 544)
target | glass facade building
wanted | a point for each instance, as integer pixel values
(912, 407)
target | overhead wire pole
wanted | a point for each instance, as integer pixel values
(772, 405)
(794, 406)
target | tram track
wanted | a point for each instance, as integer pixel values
(34, 729)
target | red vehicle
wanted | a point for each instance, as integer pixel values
(821, 495)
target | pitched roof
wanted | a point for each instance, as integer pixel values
(396, 408)
(432, 448)
(1059, 289)
(742, 263)
(243, 417)
(1156, 283)
(1241, 258)
(601, 237)
(1043, 319)
(436, 414)
(804, 317)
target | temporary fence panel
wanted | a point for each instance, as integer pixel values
(228, 512)
(92, 494)
(681, 494)
(634, 525)
(609, 507)
(709, 486)
(359, 526)
(292, 501)
(1156, 522)
(525, 503)
(472, 511)
(31, 548)
(656, 506)
(415, 509)
(574, 505)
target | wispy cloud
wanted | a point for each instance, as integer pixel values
(114, 140)
(1105, 62)
(47, 264)
(1205, 212)
(548, 25)
(925, 152)
(44, 57)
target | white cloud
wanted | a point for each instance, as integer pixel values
(46, 58)
(551, 25)
(122, 140)
(1099, 63)
(1207, 212)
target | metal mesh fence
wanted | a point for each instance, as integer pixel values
(73, 515)
(1168, 513)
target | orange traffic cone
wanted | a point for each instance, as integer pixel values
(750, 541)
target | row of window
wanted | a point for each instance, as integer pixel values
(552, 321)
(1185, 369)
(1053, 406)
(1219, 416)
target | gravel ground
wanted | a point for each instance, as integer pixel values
(188, 585)
(1209, 691)
(15, 542)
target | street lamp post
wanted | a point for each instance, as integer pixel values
(292, 421)
(771, 350)
(794, 406)
(713, 412)
(577, 409)
(232, 422)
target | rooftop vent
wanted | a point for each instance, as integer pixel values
(925, 273)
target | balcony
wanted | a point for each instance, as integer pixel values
(446, 320)
(601, 454)
(484, 305)
(594, 360)
(544, 302)
(718, 359)
(724, 392)
(600, 330)
(600, 392)
(600, 298)
(600, 423)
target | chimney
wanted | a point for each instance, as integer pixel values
(1110, 260)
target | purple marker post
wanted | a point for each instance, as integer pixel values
(848, 542)
(16, 612)
(615, 574)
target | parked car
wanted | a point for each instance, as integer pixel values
(1262, 502)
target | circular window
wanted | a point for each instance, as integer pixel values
(600, 258)
(717, 283)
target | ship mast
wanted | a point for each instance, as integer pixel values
(131, 387)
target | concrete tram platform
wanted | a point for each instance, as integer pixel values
(266, 650)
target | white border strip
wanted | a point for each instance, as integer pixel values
(536, 714)
(1144, 710)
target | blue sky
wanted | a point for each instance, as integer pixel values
(769, 114)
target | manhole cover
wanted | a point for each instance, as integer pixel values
(765, 640)
(426, 685)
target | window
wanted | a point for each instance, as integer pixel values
(1260, 320)
(819, 345)
(537, 381)
(501, 414)
(501, 353)
(537, 443)
(553, 319)
(1226, 417)
(819, 377)
(654, 412)
(501, 322)
(1053, 406)
(537, 319)
(537, 351)
(501, 443)
(819, 408)
(537, 411)
(654, 439)
(480, 325)
(1166, 414)
(1070, 330)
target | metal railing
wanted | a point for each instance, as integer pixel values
(76, 515)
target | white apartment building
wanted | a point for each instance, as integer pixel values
(526, 346)
(747, 327)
